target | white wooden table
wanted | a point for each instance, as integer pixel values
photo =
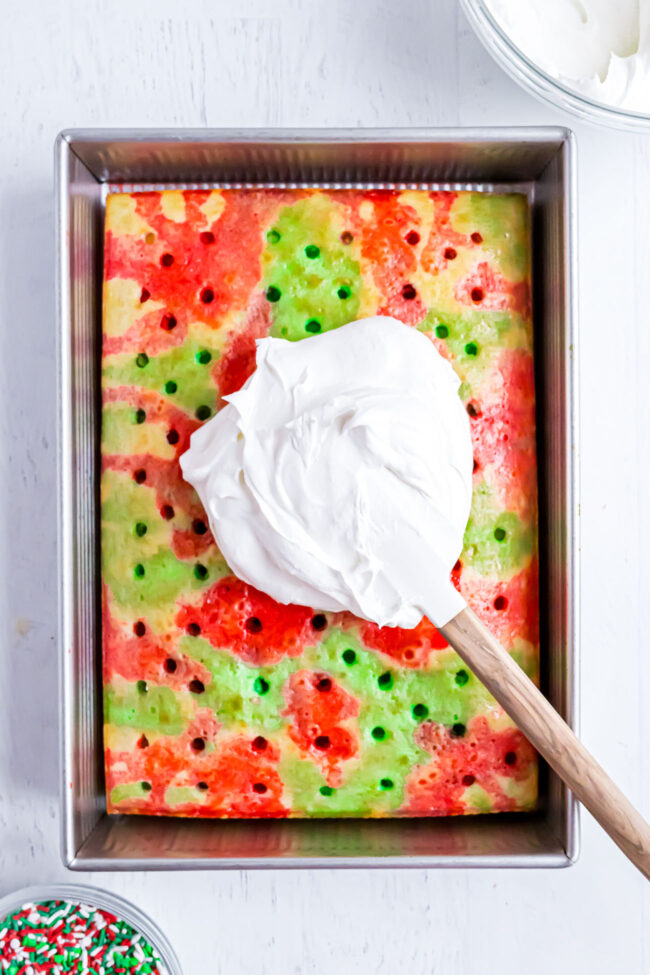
(321, 63)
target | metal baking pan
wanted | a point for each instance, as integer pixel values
(539, 161)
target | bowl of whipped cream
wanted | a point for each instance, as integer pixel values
(590, 57)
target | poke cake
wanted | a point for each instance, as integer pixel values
(218, 701)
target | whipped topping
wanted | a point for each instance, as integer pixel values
(600, 48)
(340, 475)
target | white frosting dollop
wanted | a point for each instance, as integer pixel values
(339, 476)
(601, 48)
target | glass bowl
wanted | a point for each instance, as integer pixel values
(94, 897)
(529, 75)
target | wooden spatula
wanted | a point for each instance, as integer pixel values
(550, 735)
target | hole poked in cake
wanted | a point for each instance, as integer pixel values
(253, 624)
(385, 681)
(168, 322)
(273, 293)
(409, 292)
(261, 685)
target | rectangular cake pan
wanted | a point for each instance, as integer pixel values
(538, 161)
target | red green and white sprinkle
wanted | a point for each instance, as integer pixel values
(54, 937)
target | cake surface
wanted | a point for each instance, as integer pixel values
(217, 700)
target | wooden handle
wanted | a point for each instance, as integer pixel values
(550, 735)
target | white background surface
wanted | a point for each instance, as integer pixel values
(365, 63)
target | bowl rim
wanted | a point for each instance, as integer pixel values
(97, 897)
(539, 82)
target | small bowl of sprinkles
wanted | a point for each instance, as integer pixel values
(69, 928)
